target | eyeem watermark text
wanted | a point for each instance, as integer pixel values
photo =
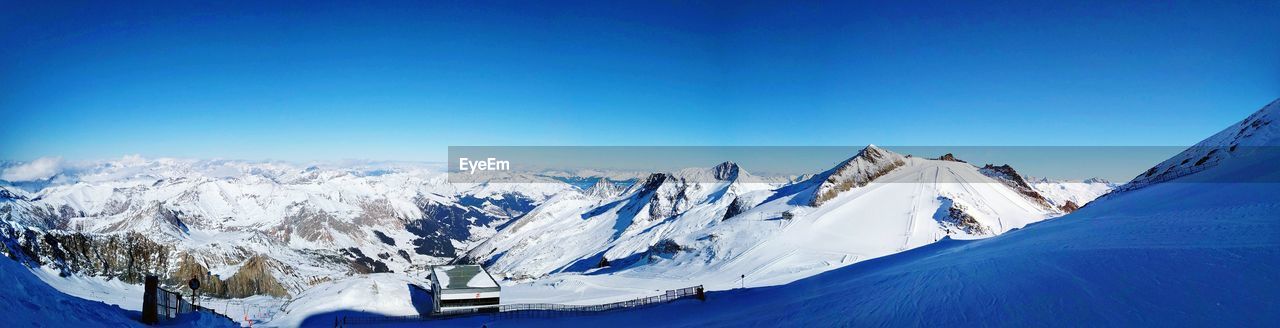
(488, 164)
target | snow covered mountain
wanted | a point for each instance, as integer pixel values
(282, 229)
(668, 229)
(296, 225)
(1198, 249)
(1071, 194)
(573, 230)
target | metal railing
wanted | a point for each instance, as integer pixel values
(169, 304)
(532, 310)
(555, 310)
(1166, 177)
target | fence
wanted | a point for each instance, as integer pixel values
(1167, 176)
(168, 304)
(534, 310)
(556, 310)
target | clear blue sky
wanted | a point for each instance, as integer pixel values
(401, 81)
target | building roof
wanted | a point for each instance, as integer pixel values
(451, 277)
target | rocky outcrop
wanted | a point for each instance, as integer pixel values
(870, 163)
(364, 264)
(189, 267)
(1253, 136)
(604, 189)
(255, 277)
(727, 171)
(1010, 177)
(313, 225)
(19, 210)
(128, 257)
(663, 193)
(156, 217)
(954, 216)
(737, 206)
(1068, 207)
(442, 223)
(951, 158)
(665, 246)
(5, 194)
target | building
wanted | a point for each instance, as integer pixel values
(457, 288)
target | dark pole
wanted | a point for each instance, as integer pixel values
(149, 315)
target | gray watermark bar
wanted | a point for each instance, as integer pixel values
(784, 164)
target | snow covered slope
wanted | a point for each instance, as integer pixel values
(29, 302)
(1252, 136)
(665, 233)
(574, 231)
(1171, 253)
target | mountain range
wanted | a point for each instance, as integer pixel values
(276, 228)
(312, 234)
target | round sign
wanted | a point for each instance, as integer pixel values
(193, 283)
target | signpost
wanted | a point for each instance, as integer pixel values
(194, 283)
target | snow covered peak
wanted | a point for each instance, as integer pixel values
(950, 157)
(1005, 172)
(727, 171)
(604, 189)
(1097, 180)
(1067, 195)
(1008, 176)
(870, 162)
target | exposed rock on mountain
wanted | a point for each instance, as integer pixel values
(727, 171)
(364, 264)
(738, 205)
(616, 230)
(1007, 175)
(604, 189)
(257, 277)
(128, 257)
(950, 157)
(952, 216)
(870, 163)
(1252, 136)
(442, 223)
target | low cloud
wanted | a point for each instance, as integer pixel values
(131, 160)
(39, 169)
